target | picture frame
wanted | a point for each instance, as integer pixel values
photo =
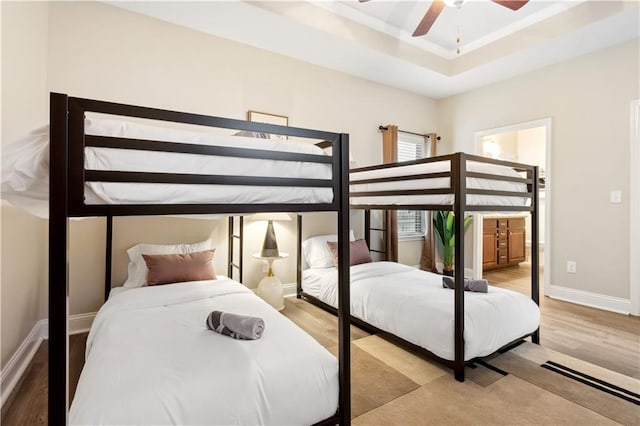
(269, 118)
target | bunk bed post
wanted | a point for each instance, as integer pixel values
(230, 234)
(240, 247)
(299, 257)
(58, 384)
(367, 227)
(535, 250)
(107, 257)
(459, 169)
(344, 303)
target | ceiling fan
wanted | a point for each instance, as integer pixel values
(438, 5)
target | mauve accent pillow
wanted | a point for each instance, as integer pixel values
(176, 268)
(358, 252)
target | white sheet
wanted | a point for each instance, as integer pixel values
(25, 169)
(412, 304)
(151, 360)
(444, 199)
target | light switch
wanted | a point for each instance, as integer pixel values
(616, 196)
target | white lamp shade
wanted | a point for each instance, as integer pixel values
(271, 216)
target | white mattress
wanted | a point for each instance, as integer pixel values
(25, 169)
(440, 199)
(151, 361)
(412, 304)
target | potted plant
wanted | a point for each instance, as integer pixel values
(443, 223)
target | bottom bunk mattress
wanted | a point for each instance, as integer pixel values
(412, 304)
(150, 359)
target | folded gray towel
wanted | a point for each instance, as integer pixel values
(236, 326)
(480, 286)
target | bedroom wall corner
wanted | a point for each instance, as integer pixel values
(25, 106)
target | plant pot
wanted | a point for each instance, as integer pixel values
(448, 273)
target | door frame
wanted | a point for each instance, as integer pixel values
(477, 228)
(634, 206)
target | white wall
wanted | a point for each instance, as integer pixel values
(588, 99)
(102, 52)
(24, 107)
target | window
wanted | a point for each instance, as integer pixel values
(411, 222)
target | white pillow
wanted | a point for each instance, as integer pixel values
(317, 254)
(137, 270)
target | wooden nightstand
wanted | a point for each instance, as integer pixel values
(270, 287)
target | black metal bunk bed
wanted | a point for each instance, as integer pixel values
(67, 183)
(457, 174)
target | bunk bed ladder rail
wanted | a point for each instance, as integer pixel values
(232, 237)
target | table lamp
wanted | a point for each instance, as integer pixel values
(270, 244)
(270, 287)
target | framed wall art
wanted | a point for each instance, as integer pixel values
(265, 117)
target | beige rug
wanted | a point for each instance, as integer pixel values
(527, 385)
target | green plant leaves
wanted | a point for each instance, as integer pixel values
(443, 222)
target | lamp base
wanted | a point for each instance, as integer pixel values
(270, 290)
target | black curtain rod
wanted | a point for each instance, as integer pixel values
(407, 132)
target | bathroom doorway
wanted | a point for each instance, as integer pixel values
(528, 143)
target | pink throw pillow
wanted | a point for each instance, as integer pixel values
(358, 252)
(175, 268)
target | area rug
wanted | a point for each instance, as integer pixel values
(525, 385)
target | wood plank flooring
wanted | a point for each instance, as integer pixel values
(602, 338)
(27, 404)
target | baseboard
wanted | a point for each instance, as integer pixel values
(289, 289)
(594, 300)
(18, 363)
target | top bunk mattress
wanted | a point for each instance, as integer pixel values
(438, 183)
(25, 169)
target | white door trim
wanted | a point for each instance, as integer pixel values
(477, 247)
(634, 205)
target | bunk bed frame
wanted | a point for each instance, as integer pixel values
(67, 182)
(457, 175)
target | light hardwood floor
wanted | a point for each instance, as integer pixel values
(602, 338)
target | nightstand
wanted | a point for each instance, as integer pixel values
(270, 287)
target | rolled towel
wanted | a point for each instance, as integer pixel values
(237, 326)
(480, 286)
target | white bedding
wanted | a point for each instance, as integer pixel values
(412, 304)
(151, 360)
(25, 169)
(444, 199)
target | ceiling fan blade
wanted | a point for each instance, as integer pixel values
(429, 18)
(511, 4)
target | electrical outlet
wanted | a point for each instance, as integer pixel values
(571, 266)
